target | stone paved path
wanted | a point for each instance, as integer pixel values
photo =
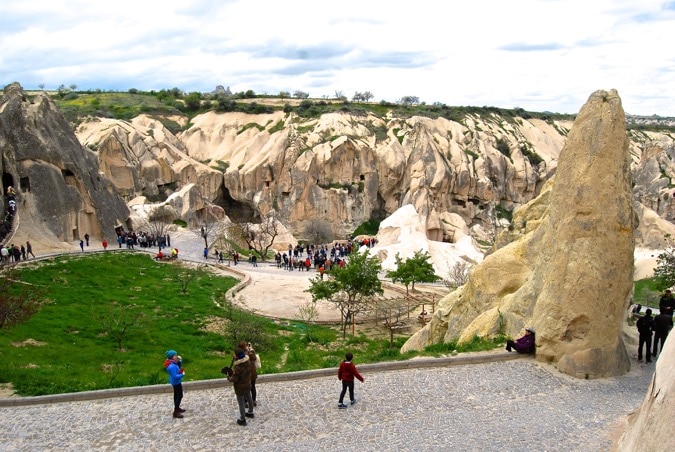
(505, 406)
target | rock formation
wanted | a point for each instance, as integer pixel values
(649, 428)
(570, 275)
(61, 193)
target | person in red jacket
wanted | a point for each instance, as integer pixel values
(346, 374)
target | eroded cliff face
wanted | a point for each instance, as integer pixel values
(345, 169)
(570, 273)
(61, 193)
(340, 168)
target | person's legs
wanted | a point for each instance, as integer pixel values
(249, 399)
(509, 345)
(350, 385)
(344, 390)
(656, 345)
(242, 411)
(254, 393)
(177, 398)
(648, 341)
(641, 344)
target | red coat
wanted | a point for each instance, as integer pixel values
(347, 372)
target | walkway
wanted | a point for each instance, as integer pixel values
(502, 406)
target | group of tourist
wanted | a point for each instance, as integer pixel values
(142, 239)
(659, 325)
(243, 373)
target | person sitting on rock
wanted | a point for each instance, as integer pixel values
(523, 345)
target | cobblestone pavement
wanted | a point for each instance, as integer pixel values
(509, 406)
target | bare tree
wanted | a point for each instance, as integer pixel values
(257, 237)
(318, 232)
(183, 275)
(158, 222)
(458, 275)
(391, 311)
(18, 301)
(208, 229)
(116, 322)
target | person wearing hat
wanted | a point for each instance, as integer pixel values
(241, 377)
(174, 366)
(523, 345)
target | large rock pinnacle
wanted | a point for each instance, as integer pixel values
(585, 271)
(570, 274)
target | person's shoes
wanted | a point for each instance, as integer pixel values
(353, 402)
(342, 406)
(177, 414)
(255, 403)
(241, 421)
(181, 410)
(251, 415)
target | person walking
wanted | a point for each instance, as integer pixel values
(86, 238)
(82, 245)
(346, 374)
(663, 323)
(29, 249)
(174, 366)
(105, 244)
(241, 377)
(645, 326)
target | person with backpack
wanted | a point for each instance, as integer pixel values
(645, 326)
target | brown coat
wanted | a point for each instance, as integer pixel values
(241, 376)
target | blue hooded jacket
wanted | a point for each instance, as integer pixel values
(175, 378)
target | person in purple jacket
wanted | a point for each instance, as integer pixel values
(523, 345)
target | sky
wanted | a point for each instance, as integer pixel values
(540, 55)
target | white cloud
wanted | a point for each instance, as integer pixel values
(535, 54)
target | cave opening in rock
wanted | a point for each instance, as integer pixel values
(237, 211)
(7, 181)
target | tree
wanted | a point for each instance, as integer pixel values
(159, 220)
(414, 269)
(366, 96)
(300, 94)
(665, 269)
(41, 86)
(18, 301)
(73, 86)
(193, 101)
(351, 287)
(318, 232)
(257, 237)
(409, 100)
(209, 228)
(458, 275)
(116, 321)
(183, 275)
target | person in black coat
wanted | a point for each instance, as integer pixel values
(645, 326)
(663, 324)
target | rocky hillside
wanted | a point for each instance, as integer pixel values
(465, 174)
(344, 169)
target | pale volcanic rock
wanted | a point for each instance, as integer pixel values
(577, 262)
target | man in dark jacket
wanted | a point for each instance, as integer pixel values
(645, 326)
(667, 303)
(241, 377)
(663, 323)
(523, 345)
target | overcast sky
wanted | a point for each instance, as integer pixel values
(541, 55)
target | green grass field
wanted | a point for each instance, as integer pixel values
(67, 347)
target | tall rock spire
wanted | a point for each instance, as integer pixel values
(570, 276)
(586, 270)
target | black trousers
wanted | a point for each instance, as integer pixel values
(347, 385)
(645, 340)
(177, 395)
(658, 338)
